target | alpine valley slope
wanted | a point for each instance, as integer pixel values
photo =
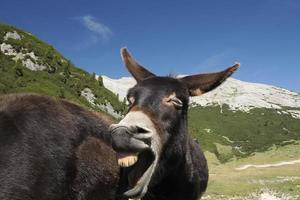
(238, 118)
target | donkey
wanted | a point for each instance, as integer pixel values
(153, 136)
(52, 149)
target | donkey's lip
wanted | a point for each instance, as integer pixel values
(141, 188)
(139, 175)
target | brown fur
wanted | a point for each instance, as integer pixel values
(52, 149)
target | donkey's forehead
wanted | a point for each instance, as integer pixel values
(165, 83)
(158, 86)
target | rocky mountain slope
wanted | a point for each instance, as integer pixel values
(238, 118)
(238, 95)
(28, 64)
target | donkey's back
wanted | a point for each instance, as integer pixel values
(53, 149)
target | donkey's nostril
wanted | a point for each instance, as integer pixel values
(140, 129)
(137, 129)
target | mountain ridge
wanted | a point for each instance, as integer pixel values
(237, 94)
(238, 118)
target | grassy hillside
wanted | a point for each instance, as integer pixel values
(281, 182)
(60, 78)
(230, 134)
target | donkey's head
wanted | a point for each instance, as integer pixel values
(157, 114)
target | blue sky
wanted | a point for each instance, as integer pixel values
(171, 36)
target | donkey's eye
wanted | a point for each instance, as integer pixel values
(176, 102)
(131, 100)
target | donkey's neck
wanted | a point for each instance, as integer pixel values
(175, 150)
(176, 162)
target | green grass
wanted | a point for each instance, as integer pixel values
(243, 133)
(226, 182)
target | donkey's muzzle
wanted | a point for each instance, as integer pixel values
(130, 139)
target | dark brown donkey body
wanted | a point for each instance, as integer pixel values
(51, 149)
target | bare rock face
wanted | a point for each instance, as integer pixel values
(13, 35)
(88, 94)
(33, 66)
(8, 49)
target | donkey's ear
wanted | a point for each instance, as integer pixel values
(202, 83)
(136, 70)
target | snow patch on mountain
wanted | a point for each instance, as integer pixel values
(119, 86)
(238, 95)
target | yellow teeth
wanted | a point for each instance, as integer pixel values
(127, 161)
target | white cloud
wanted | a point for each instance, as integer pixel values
(101, 30)
(216, 61)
